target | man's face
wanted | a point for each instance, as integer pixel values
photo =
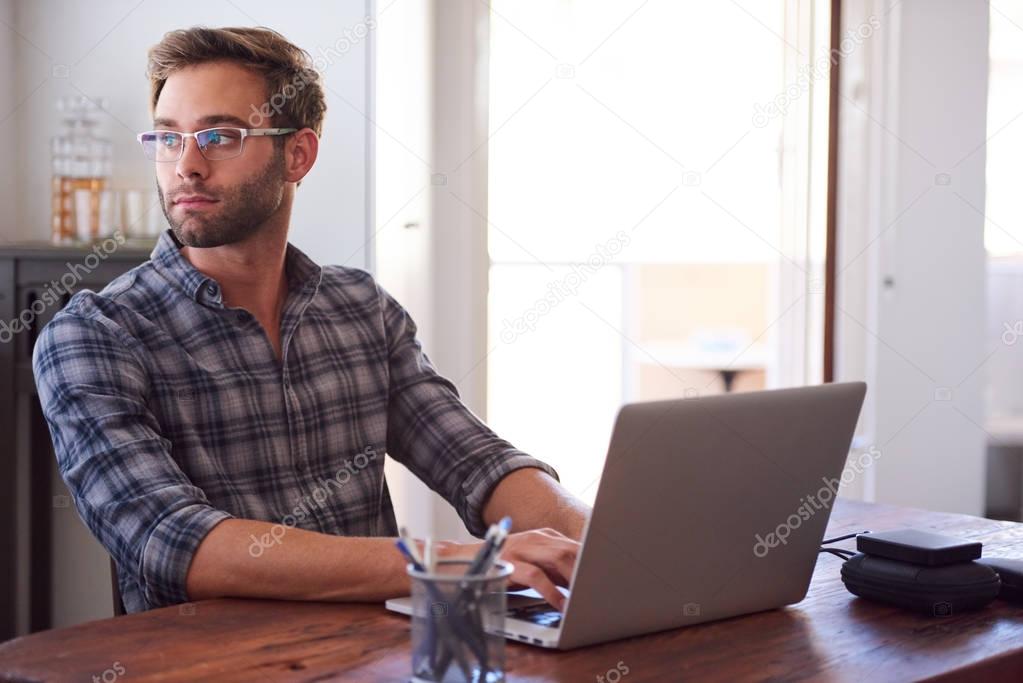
(213, 203)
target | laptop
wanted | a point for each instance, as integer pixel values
(708, 508)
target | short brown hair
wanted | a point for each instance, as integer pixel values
(294, 90)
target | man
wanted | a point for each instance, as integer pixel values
(221, 412)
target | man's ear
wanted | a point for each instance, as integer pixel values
(300, 154)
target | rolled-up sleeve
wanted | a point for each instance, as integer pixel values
(434, 434)
(126, 485)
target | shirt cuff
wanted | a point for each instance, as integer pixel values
(477, 488)
(168, 553)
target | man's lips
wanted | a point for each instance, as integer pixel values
(192, 201)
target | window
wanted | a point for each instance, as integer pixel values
(656, 208)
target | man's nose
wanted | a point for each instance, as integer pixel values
(192, 162)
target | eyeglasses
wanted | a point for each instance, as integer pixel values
(216, 144)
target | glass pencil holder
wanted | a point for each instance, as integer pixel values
(457, 621)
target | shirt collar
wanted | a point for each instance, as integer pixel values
(303, 273)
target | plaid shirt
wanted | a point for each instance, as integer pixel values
(169, 412)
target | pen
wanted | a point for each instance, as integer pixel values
(496, 530)
(411, 546)
(455, 621)
(467, 599)
(403, 546)
(495, 550)
(409, 554)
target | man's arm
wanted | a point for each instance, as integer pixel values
(306, 565)
(535, 500)
(483, 476)
(147, 513)
(545, 556)
(257, 559)
(250, 558)
(435, 435)
(111, 453)
(152, 519)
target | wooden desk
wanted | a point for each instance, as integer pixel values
(829, 636)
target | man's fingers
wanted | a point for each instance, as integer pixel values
(557, 557)
(534, 577)
(557, 567)
(547, 531)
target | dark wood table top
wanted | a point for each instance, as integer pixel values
(829, 636)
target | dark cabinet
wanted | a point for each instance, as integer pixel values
(36, 281)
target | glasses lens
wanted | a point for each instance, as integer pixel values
(220, 143)
(161, 145)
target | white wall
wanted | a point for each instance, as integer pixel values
(8, 217)
(459, 248)
(99, 50)
(911, 261)
(432, 114)
(403, 93)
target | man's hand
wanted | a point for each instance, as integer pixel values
(543, 559)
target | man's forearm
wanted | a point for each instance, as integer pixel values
(303, 565)
(253, 559)
(535, 500)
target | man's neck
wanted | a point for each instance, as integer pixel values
(251, 273)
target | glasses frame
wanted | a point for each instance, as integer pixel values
(245, 132)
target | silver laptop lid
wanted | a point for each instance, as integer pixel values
(688, 488)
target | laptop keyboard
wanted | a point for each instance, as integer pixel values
(541, 614)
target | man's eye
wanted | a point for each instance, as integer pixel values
(220, 138)
(168, 140)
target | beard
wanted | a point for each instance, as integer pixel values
(240, 212)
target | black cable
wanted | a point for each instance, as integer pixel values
(836, 539)
(838, 552)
